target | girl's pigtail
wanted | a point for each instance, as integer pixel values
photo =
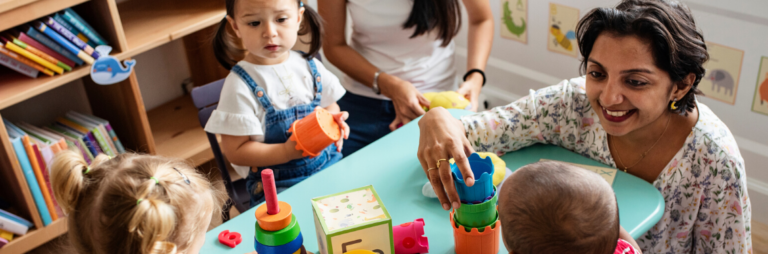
(313, 23)
(153, 219)
(70, 175)
(221, 46)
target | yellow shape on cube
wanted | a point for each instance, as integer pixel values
(447, 99)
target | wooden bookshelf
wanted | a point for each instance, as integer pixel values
(131, 27)
(177, 131)
(35, 237)
(150, 25)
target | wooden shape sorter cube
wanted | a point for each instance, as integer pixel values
(353, 220)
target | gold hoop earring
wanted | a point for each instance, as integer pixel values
(672, 106)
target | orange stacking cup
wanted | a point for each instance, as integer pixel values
(474, 241)
(315, 132)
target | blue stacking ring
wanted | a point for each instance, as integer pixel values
(290, 247)
(483, 170)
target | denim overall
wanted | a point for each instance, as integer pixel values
(277, 123)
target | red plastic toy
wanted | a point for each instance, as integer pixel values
(409, 238)
(230, 239)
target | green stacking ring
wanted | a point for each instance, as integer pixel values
(479, 228)
(477, 215)
(280, 237)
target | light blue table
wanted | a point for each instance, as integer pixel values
(391, 166)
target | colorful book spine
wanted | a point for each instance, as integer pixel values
(40, 37)
(73, 30)
(31, 42)
(71, 37)
(90, 143)
(63, 42)
(17, 66)
(78, 22)
(116, 141)
(29, 175)
(30, 63)
(35, 162)
(13, 217)
(12, 226)
(6, 235)
(41, 54)
(37, 59)
(77, 143)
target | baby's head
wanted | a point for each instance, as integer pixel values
(133, 203)
(553, 207)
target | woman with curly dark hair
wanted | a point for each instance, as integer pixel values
(636, 110)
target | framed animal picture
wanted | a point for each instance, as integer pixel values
(721, 80)
(760, 103)
(562, 29)
(514, 20)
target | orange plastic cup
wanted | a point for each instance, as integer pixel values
(315, 132)
(474, 241)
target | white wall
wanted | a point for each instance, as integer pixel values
(160, 72)
(514, 68)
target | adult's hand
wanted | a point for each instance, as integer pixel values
(406, 99)
(441, 138)
(470, 89)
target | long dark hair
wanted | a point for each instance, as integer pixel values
(443, 15)
(678, 47)
(226, 45)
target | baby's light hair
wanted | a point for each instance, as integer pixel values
(132, 203)
(554, 207)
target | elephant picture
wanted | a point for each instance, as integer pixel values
(721, 79)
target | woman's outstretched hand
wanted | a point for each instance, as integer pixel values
(406, 99)
(441, 138)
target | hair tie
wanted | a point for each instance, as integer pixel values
(301, 4)
(156, 181)
(139, 201)
(186, 180)
(87, 169)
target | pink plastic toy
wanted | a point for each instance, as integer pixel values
(230, 239)
(409, 238)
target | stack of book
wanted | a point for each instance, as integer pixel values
(11, 225)
(35, 148)
(52, 45)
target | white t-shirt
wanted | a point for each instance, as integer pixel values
(287, 84)
(378, 35)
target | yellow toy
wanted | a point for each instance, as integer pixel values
(447, 99)
(499, 166)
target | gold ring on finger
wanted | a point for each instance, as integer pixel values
(440, 160)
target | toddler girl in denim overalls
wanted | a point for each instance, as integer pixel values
(270, 89)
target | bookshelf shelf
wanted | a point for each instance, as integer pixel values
(177, 131)
(35, 237)
(16, 88)
(147, 26)
(32, 11)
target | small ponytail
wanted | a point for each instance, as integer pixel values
(153, 221)
(70, 179)
(225, 44)
(313, 23)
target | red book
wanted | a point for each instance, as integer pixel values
(32, 42)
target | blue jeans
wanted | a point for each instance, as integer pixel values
(368, 121)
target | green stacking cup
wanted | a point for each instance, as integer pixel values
(478, 215)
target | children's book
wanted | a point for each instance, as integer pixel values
(17, 66)
(71, 37)
(6, 235)
(48, 42)
(111, 132)
(13, 227)
(73, 30)
(98, 132)
(71, 16)
(16, 136)
(88, 137)
(35, 159)
(33, 57)
(32, 42)
(8, 37)
(13, 217)
(24, 60)
(62, 41)
(76, 140)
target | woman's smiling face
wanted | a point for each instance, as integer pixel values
(625, 87)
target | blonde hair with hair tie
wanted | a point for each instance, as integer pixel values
(133, 203)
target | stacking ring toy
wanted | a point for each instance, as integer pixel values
(280, 237)
(290, 247)
(274, 222)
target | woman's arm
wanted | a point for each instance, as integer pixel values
(241, 150)
(406, 99)
(480, 40)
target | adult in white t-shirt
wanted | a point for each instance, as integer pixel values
(399, 50)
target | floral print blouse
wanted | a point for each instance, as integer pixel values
(704, 185)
